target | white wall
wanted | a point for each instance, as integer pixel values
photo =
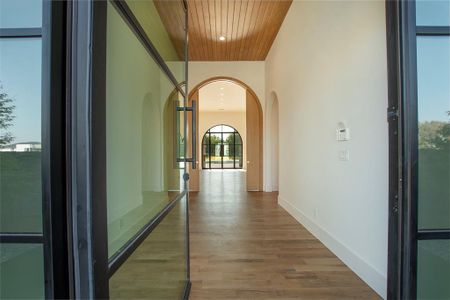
(236, 119)
(328, 64)
(251, 73)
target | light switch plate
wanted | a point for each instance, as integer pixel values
(344, 155)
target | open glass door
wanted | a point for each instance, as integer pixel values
(419, 114)
(145, 150)
(133, 227)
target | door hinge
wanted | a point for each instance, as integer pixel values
(392, 113)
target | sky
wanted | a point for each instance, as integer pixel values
(433, 75)
(20, 68)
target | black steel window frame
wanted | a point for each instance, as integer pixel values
(401, 36)
(87, 131)
(208, 133)
(57, 269)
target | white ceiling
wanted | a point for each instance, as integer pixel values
(222, 96)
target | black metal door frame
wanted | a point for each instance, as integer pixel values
(402, 32)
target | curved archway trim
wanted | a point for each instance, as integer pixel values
(254, 126)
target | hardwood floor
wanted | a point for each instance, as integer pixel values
(245, 246)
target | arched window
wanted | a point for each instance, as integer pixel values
(222, 148)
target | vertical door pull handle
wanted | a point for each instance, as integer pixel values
(192, 109)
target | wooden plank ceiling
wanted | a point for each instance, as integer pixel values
(249, 28)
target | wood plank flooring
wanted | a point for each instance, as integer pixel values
(245, 246)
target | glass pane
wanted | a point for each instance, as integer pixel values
(216, 150)
(205, 157)
(238, 138)
(21, 271)
(228, 156)
(163, 21)
(238, 160)
(433, 12)
(143, 174)
(216, 129)
(433, 61)
(226, 128)
(157, 269)
(20, 14)
(433, 269)
(228, 138)
(20, 135)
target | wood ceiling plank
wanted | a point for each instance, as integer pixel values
(249, 26)
(267, 28)
(236, 22)
(202, 30)
(241, 34)
(230, 24)
(259, 30)
(207, 20)
(252, 28)
(195, 43)
(212, 19)
(283, 7)
(223, 28)
(245, 33)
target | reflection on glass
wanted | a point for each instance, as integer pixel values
(163, 22)
(433, 13)
(20, 135)
(158, 267)
(21, 271)
(433, 269)
(143, 175)
(433, 61)
(20, 13)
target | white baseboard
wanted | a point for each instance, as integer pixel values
(375, 279)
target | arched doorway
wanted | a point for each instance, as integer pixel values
(222, 148)
(253, 155)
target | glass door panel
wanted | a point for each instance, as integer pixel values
(205, 156)
(238, 157)
(144, 135)
(433, 78)
(228, 150)
(216, 150)
(145, 152)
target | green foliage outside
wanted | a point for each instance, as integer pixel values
(6, 118)
(434, 174)
(434, 135)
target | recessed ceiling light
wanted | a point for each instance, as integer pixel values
(222, 38)
(221, 88)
